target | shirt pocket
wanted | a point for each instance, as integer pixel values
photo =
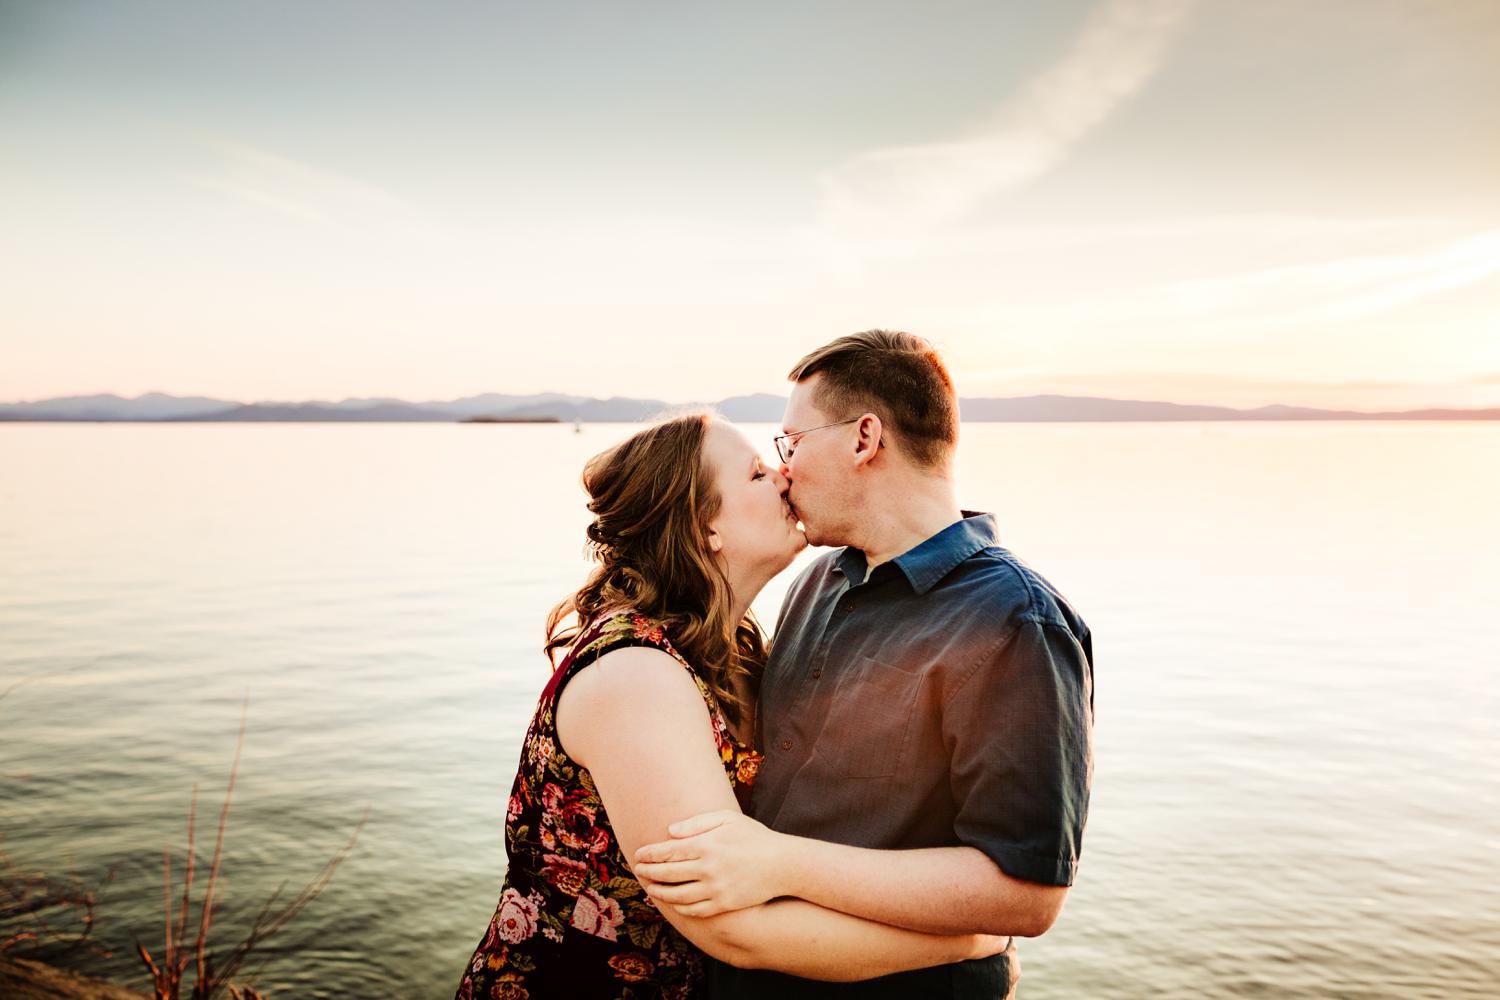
(869, 723)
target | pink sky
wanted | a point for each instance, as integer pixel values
(1236, 204)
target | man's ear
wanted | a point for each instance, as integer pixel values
(870, 440)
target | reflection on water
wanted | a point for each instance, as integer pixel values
(1296, 782)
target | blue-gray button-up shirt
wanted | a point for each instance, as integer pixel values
(945, 701)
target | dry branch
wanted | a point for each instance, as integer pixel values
(213, 971)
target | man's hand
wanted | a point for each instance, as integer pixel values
(716, 862)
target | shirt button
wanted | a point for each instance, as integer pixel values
(849, 607)
(786, 744)
(817, 673)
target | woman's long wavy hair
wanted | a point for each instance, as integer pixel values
(653, 497)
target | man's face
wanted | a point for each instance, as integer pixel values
(821, 469)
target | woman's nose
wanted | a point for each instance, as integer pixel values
(783, 477)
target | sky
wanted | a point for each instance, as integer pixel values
(1200, 202)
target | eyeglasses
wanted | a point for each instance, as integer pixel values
(784, 446)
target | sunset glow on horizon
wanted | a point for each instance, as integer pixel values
(1148, 199)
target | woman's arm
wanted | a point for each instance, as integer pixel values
(636, 720)
(724, 860)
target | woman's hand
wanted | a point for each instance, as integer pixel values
(716, 862)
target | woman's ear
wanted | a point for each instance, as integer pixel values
(715, 543)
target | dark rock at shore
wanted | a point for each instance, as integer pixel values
(25, 979)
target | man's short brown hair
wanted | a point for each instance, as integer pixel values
(898, 377)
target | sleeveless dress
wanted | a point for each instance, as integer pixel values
(572, 921)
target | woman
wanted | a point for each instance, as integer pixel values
(645, 722)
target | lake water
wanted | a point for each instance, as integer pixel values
(1297, 787)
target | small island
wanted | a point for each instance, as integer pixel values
(511, 420)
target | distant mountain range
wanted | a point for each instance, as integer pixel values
(156, 407)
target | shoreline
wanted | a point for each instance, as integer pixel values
(30, 979)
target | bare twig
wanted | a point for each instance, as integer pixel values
(31, 901)
(206, 914)
(212, 972)
(268, 922)
(187, 875)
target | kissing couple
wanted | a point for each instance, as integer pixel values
(875, 802)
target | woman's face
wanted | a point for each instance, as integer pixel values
(756, 532)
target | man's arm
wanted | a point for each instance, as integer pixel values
(725, 860)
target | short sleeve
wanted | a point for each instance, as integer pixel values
(1018, 730)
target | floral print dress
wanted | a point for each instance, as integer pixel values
(572, 920)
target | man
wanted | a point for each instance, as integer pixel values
(927, 692)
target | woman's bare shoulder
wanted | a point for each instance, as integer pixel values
(629, 686)
(628, 670)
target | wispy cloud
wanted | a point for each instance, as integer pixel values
(1345, 288)
(298, 190)
(1120, 47)
(260, 198)
(1310, 295)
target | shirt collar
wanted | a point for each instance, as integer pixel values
(928, 562)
